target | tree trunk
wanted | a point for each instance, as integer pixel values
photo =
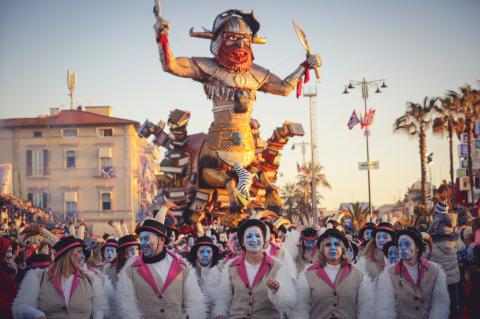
(469, 123)
(450, 144)
(423, 163)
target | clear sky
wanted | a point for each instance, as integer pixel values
(422, 48)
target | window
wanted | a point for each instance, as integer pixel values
(106, 163)
(106, 201)
(37, 162)
(70, 159)
(70, 199)
(38, 199)
(37, 134)
(105, 132)
(70, 132)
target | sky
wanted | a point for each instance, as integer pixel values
(421, 48)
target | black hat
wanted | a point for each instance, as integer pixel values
(387, 246)
(413, 233)
(111, 243)
(384, 227)
(332, 232)
(309, 233)
(64, 245)
(39, 261)
(204, 241)
(155, 227)
(86, 251)
(354, 249)
(128, 240)
(249, 223)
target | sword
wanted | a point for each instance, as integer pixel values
(303, 40)
(157, 10)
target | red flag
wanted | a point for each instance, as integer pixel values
(353, 120)
(299, 168)
(368, 119)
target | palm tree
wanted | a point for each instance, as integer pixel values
(305, 181)
(467, 103)
(294, 203)
(359, 213)
(447, 122)
(415, 122)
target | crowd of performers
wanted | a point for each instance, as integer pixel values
(256, 270)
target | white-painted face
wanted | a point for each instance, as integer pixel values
(82, 259)
(151, 243)
(332, 249)
(407, 248)
(367, 234)
(253, 239)
(381, 238)
(110, 253)
(9, 254)
(204, 255)
(191, 242)
(131, 251)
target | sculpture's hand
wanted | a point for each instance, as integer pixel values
(161, 26)
(313, 61)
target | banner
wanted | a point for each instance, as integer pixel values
(6, 178)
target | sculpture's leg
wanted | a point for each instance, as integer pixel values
(219, 178)
(272, 198)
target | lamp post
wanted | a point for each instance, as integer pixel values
(365, 89)
(311, 93)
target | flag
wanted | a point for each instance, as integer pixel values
(353, 120)
(299, 168)
(368, 119)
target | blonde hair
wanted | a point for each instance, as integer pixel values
(62, 264)
(323, 259)
(369, 250)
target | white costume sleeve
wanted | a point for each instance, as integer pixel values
(362, 264)
(126, 299)
(101, 308)
(366, 305)
(303, 302)
(291, 243)
(25, 304)
(440, 297)
(385, 297)
(223, 295)
(210, 283)
(194, 300)
(284, 299)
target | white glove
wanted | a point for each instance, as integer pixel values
(162, 25)
(313, 61)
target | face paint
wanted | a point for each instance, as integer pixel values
(367, 234)
(191, 242)
(407, 248)
(75, 258)
(332, 249)
(393, 256)
(82, 259)
(110, 253)
(204, 255)
(9, 254)
(350, 253)
(253, 239)
(214, 239)
(131, 251)
(310, 244)
(150, 243)
(381, 238)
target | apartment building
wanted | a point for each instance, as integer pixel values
(81, 163)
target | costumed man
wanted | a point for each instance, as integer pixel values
(110, 256)
(158, 284)
(413, 288)
(63, 290)
(302, 245)
(255, 285)
(231, 80)
(373, 261)
(8, 270)
(332, 287)
(205, 256)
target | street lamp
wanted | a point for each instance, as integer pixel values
(366, 85)
(311, 92)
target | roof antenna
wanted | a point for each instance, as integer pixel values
(72, 84)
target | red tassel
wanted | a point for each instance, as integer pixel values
(163, 40)
(304, 80)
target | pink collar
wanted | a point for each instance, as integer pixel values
(400, 268)
(345, 270)
(265, 267)
(78, 275)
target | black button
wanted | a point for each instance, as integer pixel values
(64, 308)
(160, 296)
(416, 298)
(249, 303)
(334, 293)
(416, 308)
(334, 304)
(161, 310)
(250, 293)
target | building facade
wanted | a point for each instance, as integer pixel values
(83, 164)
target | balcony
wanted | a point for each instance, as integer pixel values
(105, 172)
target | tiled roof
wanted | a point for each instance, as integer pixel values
(66, 118)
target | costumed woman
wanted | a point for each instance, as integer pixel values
(413, 288)
(302, 245)
(373, 261)
(390, 250)
(110, 256)
(63, 290)
(255, 285)
(205, 256)
(332, 287)
(365, 234)
(8, 286)
(158, 284)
